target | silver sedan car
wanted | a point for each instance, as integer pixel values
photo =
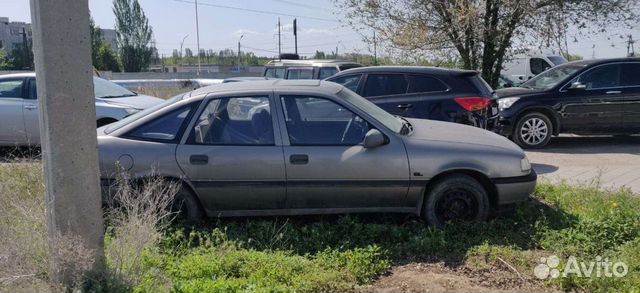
(19, 120)
(285, 147)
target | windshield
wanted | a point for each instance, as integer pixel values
(557, 60)
(118, 124)
(105, 89)
(394, 123)
(552, 77)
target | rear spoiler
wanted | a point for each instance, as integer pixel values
(465, 73)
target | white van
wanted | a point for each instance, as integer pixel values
(524, 67)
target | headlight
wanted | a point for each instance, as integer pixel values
(506, 103)
(525, 165)
(132, 111)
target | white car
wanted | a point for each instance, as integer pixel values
(19, 121)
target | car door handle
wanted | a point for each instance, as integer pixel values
(614, 92)
(299, 159)
(199, 159)
(31, 107)
(404, 106)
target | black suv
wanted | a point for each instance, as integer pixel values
(460, 96)
(584, 97)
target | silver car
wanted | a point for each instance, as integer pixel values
(285, 147)
(19, 121)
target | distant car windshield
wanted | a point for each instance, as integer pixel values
(552, 77)
(118, 124)
(392, 122)
(557, 60)
(105, 89)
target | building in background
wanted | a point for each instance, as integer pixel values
(109, 37)
(12, 34)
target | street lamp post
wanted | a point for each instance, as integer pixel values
(241, 36)
(198, 35)
(181, 45)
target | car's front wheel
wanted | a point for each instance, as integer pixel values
(532, 131)
(456, 198)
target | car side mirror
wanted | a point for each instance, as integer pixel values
(577, 86)
(374, 138)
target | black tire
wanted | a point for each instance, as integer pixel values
(187, 207)
(533, 131)
(456, 198)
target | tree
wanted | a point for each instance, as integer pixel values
(482, 32)
(133, 35)
(102, 55)
(4, 61)
(21, 57)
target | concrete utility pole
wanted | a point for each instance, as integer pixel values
(239, 60)
(181, 45)
(279, 42)
(198, 35)
(295, 33)
(62, 48)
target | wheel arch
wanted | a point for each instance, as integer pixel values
(550, 113)
(484, 180)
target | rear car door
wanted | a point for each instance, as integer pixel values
(388, 90)
(233, 157)
(596, 109)
(12, 130)
(328, 168)
(630, 81)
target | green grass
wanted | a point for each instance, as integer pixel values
(348, 253)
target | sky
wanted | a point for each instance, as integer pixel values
(318, 26)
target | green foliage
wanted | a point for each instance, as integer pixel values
(4, 61)
(133, 35)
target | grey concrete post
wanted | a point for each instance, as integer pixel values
(62, 49)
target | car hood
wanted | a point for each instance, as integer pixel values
(431, 130)
(138, 102)
(516, 91)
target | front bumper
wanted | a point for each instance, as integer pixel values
(515, 189)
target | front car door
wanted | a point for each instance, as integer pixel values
(630, 81)
(12, 130)
(597, 108)
(233, 157)
(328, 168)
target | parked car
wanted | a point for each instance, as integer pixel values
(584, 97)
(312, 147)
(19, 120)
(525, 66)
(306, 69)
(451, 95)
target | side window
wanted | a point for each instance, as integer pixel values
(166, 128)
(629, 74)
(349, 81)
(606, 76)
(538, 65)
(33, 89)
(234, 121)
(327, 72)
(11, 88)
(425, 84)
(385, 84)
(274, 72)
(300, 73)
(318, 121)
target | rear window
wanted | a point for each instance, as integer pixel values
(481, 85)
(425, 84)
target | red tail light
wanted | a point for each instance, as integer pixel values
(473, 104)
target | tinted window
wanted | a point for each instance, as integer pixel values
(630, 74)
(300, 73)
(33, 89)
(11, 88)
(326, 72)
(275, 72)
(423, 84)
(165, 128)
(605, 76)
(538, 65)
(349, 81)
(235, 121)
(317, 121)
(385, 84)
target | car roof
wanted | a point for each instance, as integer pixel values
(408, 69)
(19, 75)
(306, 85)
(308, 62)
(603, 61)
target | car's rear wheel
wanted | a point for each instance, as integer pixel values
(532, 131)
(187, 206)
(456, 198)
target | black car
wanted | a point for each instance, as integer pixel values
(583, 97)
(452, 95)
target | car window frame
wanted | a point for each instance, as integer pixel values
(572, 79)
(189, 136)
(22, 87)
(622, 64)
(360, 83)
(447, 87)
(364, 84)
(314, 70)
(282, 118)
(179, 135)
